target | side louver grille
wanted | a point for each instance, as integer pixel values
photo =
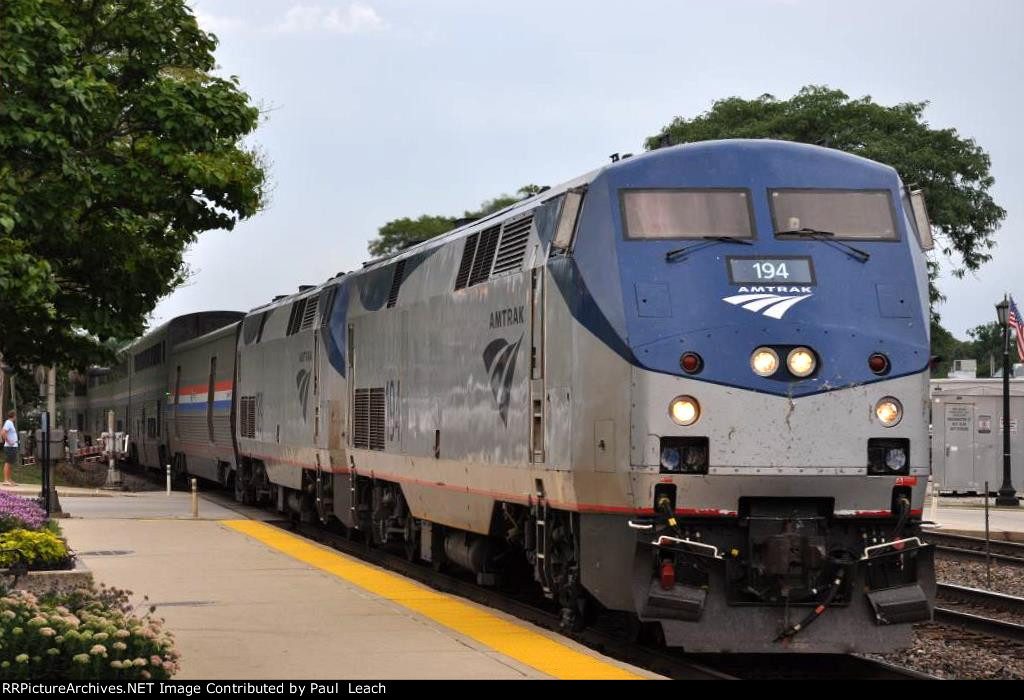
(492, 252)
(396, 283)
(514, 237)
(309, 312)
(368, 414)
(484, 255)
(468, 252)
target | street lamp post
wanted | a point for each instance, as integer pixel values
(1007, 495)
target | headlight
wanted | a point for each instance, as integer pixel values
(670, 459)
(684, 410)
(889, 411)
(888, 456)
(801, 362)
(764, 362)
(895, 458)
(695, 457)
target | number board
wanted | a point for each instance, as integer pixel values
(778, 270)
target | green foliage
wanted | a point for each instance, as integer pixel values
(86, 635)
(945, 346)
(984, 347)
(401, 233)
(42, 549)
(953, 171)
(118, 146)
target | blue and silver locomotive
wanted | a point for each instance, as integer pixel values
(690, 386)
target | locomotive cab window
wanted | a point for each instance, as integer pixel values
(686, 213)
(843, 214)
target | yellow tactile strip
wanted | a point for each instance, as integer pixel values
(509, 638)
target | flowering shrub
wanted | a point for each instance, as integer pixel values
(20, 513)
(41, 550)
(85, 635)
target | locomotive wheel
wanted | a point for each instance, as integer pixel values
(412, 540)
(241, 492)
(179, 472)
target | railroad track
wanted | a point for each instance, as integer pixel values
(968, 608)
(966, 548)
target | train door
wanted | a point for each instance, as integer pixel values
(351, 359)
(210, 394)
(537, 431)
(959, 449)
(177, 401)
(317, 409)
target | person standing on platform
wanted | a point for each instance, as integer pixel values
(9, 433)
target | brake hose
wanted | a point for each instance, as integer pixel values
(665, 507)
(904, 505)
(792, 630)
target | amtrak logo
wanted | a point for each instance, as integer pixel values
(500, 361)
(302, 384)
(767, 301)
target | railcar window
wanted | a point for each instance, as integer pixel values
(678, 213)
(147, 358)
(852, 214)
(567, 219)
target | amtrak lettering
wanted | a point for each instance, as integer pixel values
(506, 317)
(771, 302)
(774, 290)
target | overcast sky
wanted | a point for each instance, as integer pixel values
(377, 109)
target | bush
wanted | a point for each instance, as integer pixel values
(20, 513)
(85, 635)
(41, 550)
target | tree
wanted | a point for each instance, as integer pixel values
(986, 347)
(401, 233)
(118, 147)
(953, 171)
(946, 347)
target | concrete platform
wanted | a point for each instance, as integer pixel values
(247, 601)
(33, 490)
(968, 514)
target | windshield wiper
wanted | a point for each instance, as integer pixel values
(827, 237)
(681, 253)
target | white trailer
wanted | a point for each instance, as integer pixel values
(967, 434)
